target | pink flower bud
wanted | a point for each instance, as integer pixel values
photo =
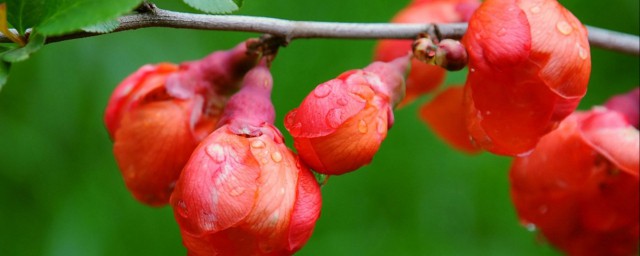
(158, 115)
(339, 126)
(243, 192)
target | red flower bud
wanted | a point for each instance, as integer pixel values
(423, 78)
(243, 192)
(445, 114)
(339, 126)
(580, 186)
(158, 115)
(529, 65)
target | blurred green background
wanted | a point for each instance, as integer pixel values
(62, 194)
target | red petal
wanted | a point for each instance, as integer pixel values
(132, 89)
(445, 114)
(306, 209)
(151, 147)
(498, 36)
(576, 197)
(559, 46)
(609, 133)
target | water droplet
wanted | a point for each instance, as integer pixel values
(290, 118)
(342, 102)
(296, 128)
(535, 9)
(362, 126)
(564, 27)
(334, 118)
(523, 154)
(216, 152)
(472, 70)
(276, 157)
(530, 227)
(322, 90)
(381, 127)
(257, 144)
(182, 209)
(237, 191)
(582, 52)
(502, 32)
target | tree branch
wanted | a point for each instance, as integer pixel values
(291, 30)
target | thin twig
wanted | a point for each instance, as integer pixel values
(290, 30)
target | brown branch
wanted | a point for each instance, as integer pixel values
(290, 30)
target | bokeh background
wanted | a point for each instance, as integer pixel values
(62, 194)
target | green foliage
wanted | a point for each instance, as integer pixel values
(56, 17)
(215, 6)
(36, 41)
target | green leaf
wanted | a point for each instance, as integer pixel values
(56, 17)
(215, 6)
(103, 27)
(24, 14)
(36, 41)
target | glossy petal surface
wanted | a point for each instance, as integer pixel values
(577, 197)
(529, 66)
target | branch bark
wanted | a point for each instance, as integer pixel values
(598, 37)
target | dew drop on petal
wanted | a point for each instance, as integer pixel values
(342, 102)
(237, 191)
(524, 154)
(290, 118)
(502, 32)
(276, 157)
(530, 227)
(334, 118)
(535, 9)
(182, 209)
(362, 126)
(296, 128)
(322, 90)
(472, 70)
(582, 52)
(216, 152)
(564, 27)
(257, 144)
